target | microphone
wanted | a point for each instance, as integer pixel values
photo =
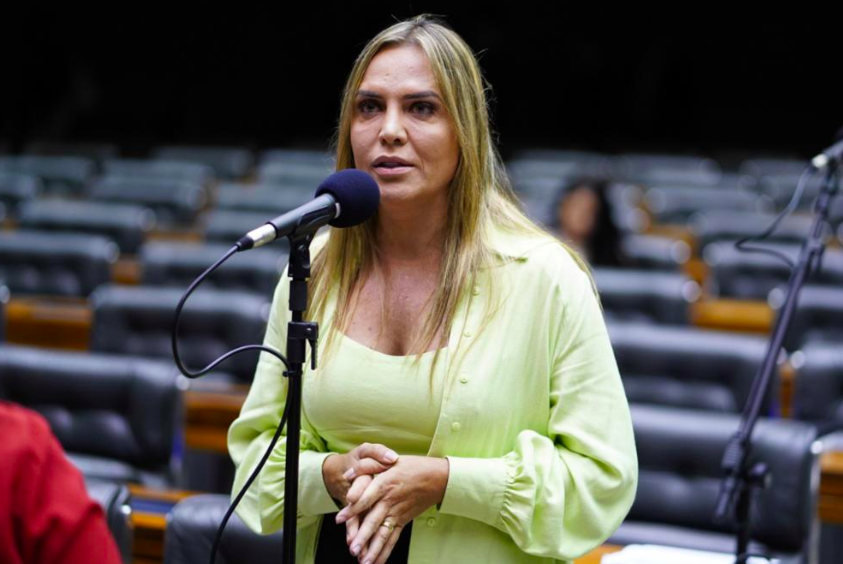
(833, 153)
(344, 199)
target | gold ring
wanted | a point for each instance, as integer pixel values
(388, 525)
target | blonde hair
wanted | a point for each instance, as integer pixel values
(479, 194)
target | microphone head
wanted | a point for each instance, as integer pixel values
(356, 192)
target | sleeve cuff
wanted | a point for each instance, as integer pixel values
(314, 498)
(476, 488)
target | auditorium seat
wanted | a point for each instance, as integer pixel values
(688, 367)
(192, 527)
(16, 189)
(178, 264)
(142, 169)
(651, 169)
(818, 391)
(4, 299)
(710, 227)
(60, 264)
(226, 226)
(304, 177)
(260, 198)
(125, 224)
(818, 317)
(679, 456)
(114, 500)
(59, 175)
(677, 205)
(653, 252)
(745, 275)
(137, 320)
(174, 201)
(116, 416)
(643, 295)
(228, 162)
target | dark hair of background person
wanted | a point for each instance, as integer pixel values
(603, 245)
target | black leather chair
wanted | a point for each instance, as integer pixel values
(4, 299)
(818, 317)
(710, 227)
(18, 188)
(658, 168)
(818, 392)
(225, 226)
(114, 500)
(652, 252)
(227, 162)
(62, 264)
(643, 295)
(142, 169)
(116, 416)
(754, 275)
(294, 175)
(127, 225)
(688, 367)
(679, 454)
(174, 201)
(137, 320)
(192, 527)
(59, 175)
(261, 198)
(676, 205)
(177, 265)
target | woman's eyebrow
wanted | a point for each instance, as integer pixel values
(413, 96)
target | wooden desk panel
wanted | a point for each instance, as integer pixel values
(51, 322)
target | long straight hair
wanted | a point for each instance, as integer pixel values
(479, 195)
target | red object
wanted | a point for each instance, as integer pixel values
(46, 515)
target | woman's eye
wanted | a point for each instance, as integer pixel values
(367, 106)
(424, 108)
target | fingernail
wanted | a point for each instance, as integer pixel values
(349, 474)
(391, 456)
(355, 549)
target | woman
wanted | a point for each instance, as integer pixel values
(459, 337)
(583, 218)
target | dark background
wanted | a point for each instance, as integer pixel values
(271, 76)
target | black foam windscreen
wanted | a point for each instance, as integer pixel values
(357, 194)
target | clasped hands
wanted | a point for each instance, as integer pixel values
(382, 492)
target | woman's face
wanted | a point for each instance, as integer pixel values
(578, 213)
(401, 132)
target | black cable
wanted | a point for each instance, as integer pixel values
(740, 244)
(186, 371)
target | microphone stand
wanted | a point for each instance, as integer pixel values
(298, 332)
(741, 479)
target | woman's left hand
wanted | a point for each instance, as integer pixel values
(397, 495)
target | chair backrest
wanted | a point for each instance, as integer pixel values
(688, 367)
(192, 527)
(644, 295)
(818, 317)
(59, 175)
(64, 264)
(818, 392)
(114, 500)
(137, 320)
(652, 252)
(103, 405)
(227, 162)
(4, 299)
(174, 201)
(177, 265)
(679, 457)
(125, 224)
(17, 188)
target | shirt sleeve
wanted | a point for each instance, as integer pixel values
(262, 508)
(62, 524)
(561, 494)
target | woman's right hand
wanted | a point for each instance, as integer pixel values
(367, 458)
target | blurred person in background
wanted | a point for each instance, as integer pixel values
(582, 217)
(46, 515)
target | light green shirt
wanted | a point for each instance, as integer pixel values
(531, 416)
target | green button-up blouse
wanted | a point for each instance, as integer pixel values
(533, 420)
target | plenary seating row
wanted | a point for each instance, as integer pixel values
(679, 470)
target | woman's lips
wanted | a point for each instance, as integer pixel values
(392, 171)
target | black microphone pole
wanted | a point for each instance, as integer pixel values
(740, 479)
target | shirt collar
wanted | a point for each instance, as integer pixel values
(509, 244)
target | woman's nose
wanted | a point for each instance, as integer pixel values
(392, 128)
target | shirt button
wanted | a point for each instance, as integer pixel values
(456, 426)
(467, 333)
(464, 379)
(475, 291)
(431, 521)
